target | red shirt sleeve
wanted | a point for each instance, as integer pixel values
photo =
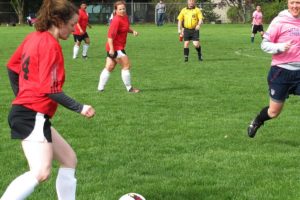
(113, 28)
(14, 62)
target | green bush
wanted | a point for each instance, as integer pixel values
(233, 15)
(271, 10)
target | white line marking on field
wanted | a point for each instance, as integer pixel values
(239, 53)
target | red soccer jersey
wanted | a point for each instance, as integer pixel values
(40, 65)
(118, 30)
(83, 20)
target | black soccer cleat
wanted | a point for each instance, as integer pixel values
(186, 59)
(200, 58)
(253, 127)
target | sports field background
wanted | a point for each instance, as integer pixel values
(183, 137)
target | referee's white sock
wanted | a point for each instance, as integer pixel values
(21, 187)
(104, 76)
(66, 184)
(126, 78)
(85, 49)
(75, 51)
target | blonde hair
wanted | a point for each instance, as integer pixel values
(54, 12)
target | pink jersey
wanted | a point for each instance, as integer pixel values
(257, 18)
(285, 28)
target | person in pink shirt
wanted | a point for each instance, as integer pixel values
(282, 40)
(115, 48)
(257, 23)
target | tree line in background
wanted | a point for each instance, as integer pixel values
(239, 11)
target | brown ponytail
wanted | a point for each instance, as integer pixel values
(54, 12)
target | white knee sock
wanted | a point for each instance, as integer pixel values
(66, 184)
(126, 78)
(85, 49)
(75, 51)
(21, 187)
(104, 76)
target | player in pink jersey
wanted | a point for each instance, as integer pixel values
(115, 47)
(282, 39)
(257, 23)
(36, 72)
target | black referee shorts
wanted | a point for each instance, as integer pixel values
(29, 125)
(190, 34)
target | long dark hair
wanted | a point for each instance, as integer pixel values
(54, 12)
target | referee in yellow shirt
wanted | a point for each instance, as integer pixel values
(189, 22)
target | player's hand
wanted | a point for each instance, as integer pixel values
(197, 27)
(287, 46)
(88, 111)
(112, 54)
(135, 33)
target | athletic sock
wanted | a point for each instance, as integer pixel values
(126, 78)
(263, 115)
(199, 51)
(21, 187)
(104, 76)
(66, 184)
(85, 49)
(75, 51)
(186, 52)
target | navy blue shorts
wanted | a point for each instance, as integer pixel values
(79, 38)
(283, 82)
(29, 125)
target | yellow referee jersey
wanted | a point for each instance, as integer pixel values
(190, 17)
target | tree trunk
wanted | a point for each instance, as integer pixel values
(18, 6)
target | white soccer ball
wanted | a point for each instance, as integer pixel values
(132, 196)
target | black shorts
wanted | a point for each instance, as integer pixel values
(283, 82)
(257, 28)
(79, 38)
(190, 34)
(29, 125)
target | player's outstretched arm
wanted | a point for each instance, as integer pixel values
(71, 104)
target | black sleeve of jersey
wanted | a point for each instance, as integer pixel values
(14, 81)
(66, 101)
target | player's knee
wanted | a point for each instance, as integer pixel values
(43, 174)
(126, 67)
(273, 113)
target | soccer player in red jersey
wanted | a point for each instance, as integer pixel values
(80, 32)
(37, 75)
(115, 47)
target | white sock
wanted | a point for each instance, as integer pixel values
(75, 51)
(85, 49)
(21, 187)
(66, 184)
(126, 78)
(104, 76)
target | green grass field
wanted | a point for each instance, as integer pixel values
(183, 137)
